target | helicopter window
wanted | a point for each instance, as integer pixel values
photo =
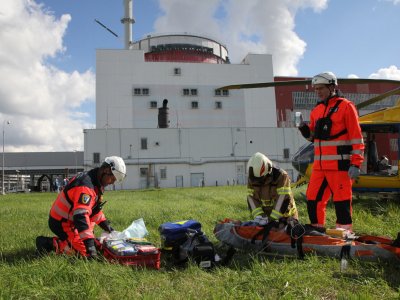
(381, 150)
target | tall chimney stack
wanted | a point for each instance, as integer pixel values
(128, 20)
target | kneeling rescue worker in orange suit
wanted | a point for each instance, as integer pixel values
(338, 152)
(270, 197)
(78, 208)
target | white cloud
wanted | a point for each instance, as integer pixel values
(40, 100)
(352, 76)
(257, 26)
(392, 72)
(395, 2)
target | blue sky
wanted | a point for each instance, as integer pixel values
(47, 58)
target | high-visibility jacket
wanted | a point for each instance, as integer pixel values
(345, 146)
(74, 204)
(273, 198)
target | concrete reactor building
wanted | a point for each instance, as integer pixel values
(158, 106)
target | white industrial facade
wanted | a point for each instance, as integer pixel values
(183, 157)
(211, 133)
(120, 72)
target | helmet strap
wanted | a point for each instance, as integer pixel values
(332, 90)
(103, 168)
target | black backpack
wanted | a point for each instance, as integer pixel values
(323, 126)
(197, 248)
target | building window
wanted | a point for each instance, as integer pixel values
(163, 173)
(96, 158)
(141, 91)
(218, 105)
(177, 71)
(143, 143)
(153, 104)
(195, 104)
(286, 153)
(219, 93)
(189, 92)
(144, 172)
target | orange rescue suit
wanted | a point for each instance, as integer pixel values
(333, 155)
(75, 212)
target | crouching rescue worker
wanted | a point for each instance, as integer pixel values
(270, 197)
(78, 208)
(338, 152)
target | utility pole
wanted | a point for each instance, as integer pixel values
(2, 178)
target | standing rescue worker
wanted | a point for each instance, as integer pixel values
(270, 197)
(78, 208)
(338, 152)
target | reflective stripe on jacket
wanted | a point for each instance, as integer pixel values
(75, 202)
(274, 197)
(341, 151)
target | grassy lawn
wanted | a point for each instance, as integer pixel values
(25, 275)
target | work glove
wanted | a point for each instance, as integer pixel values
(305, 130)
(354, 172)
(91, 250)
(105, 225)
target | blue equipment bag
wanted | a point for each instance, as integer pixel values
(174, 234)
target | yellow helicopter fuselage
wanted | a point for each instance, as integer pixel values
(378, 122)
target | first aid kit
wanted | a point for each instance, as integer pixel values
(131, 251)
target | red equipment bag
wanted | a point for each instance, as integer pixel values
(130, 252)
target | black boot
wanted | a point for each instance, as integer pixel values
(396, 242)
(44, 244)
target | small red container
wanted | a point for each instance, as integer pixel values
(147, 256)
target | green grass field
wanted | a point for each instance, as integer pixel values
(26, 275)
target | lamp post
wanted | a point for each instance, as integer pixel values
(2, 178)
(234, 156)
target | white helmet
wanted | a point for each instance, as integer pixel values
(324, 78)
(117, 166)
(260, 163)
